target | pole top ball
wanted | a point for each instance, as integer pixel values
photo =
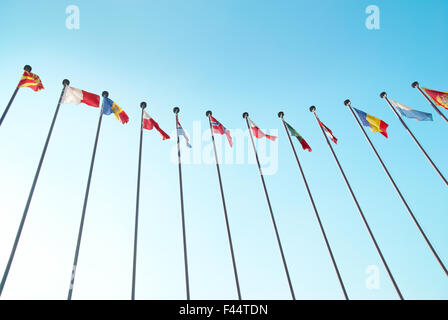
(176, 110)
(312, 108)
(143, 105)
(414, 84)
(383, 95)
(347, 102)
(245, 115)
(66, 82)
(281, 114)
(27, 68)
(208, 113)
(105, 94)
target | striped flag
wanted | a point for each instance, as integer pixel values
(31, 81)
(219, 128)
(328, 132)
(302, 141)
(407, 112)
(110, 107)
(181, 132)
(375, 124)
(77, 96)
(149, 123)
(258, 133)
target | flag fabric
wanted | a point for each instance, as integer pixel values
(181, 132)
(439, 97)
(328, 132)
(407, 112)
(219, 128)
(375, 124)
(77, 96)
(31, 81)
(302, 141)
(110, 107)
(258, 133)
(149, 123)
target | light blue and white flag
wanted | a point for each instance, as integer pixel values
(181, 132)
(407, 112)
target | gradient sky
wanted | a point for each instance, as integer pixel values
(229, 57)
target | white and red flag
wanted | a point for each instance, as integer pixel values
(258, 133)
(149, 123)
(77, 96)
(328, 132)
(219, 128)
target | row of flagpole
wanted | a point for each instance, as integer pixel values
(215, 126)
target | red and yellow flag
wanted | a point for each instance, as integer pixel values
(31, 80)
(439, 97)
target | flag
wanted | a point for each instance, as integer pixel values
(110, 107)
(77, 96)
(302, 141)
(219, 128)
(439, 97)
(181, 132)
(328, 132)
(31, 81)
(149, 123)
(258, 133)
(375, 124)
(405, 111)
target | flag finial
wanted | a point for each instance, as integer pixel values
(105, 94)
(27, 68)
(176, 110)
(347, 102)
(281, 114)
(245, 115)
(143, 105)
(65, 82)
(414, 84)
(312, 108)
(383, 95)
(208, 113)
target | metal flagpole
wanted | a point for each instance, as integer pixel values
(137, 204)
(26, 68)
(86, 197)
(348, 104)
(384, 96)
(246, 116)
(184, 236)
(208, 114)
(30, 195)
(281, 115)
(313, 110)
(416, 85)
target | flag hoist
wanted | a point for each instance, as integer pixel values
(29, 80)
(305, 146)
(217, 127)
(384, 96)
(180, 131)
(327, 133)
(348, 104)
(65, 83)
(252, 127)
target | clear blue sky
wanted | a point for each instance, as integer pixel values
(229, 57)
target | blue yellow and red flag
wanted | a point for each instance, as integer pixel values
(110, 107)
(375, 124)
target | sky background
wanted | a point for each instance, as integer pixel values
(229, 57)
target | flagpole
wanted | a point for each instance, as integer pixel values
(137, 203)
(333, 260)
(313, 110)
(86, 197)
(246, 116)
(348, 104)
(30, 195)
(416, 85)
(384, 96)
(208, 114)
(26, 68)
(184, 236)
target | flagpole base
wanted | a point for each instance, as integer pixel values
(176, 110)
(281, 114)
(143, 105)
(27, 68)
(414, 84)
(208, 113)
(245, 115)
(347, 102)
(312, 108)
